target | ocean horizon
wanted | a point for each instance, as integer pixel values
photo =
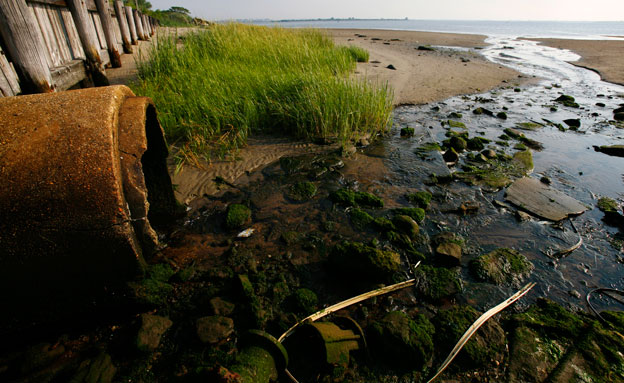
(554, 29)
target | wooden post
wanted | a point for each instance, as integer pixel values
(126, 39)
(25, 46)
(109, 32)
(131, 25)
(146, 29)
(90, 43)
(139, 25)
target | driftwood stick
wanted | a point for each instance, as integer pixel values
(351, 301)
(478, 323)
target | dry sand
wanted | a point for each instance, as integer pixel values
(603, 56)
(426, 76)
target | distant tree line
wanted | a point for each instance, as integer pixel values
(172, 17)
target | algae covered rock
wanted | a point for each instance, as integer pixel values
(486, 345)
(456, 124)
(406, 225)
(458, 143)
(304, 300)
(237, 216)
(360, 218)
(501, 266)
(549, 317)
(407, 132)
(568, 101)
(403, 342)
(533, 356)
(448, 254)
(364, 263)
(348, 197)
(302, 191)
(415, 213)
(434, 283)
(422, 199)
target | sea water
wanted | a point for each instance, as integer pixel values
(558, 29)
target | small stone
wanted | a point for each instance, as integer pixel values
(391, 67)
(501, 115)
(451, 156)
(406, 225)
(522, 216)
(618, 117)
(152, 329)
(214, 329)
(575, 294)
(546, 180)
(489, 153)
(221, 307)
(407, 132)
(573, 122)
(98, 370)
(449, 253)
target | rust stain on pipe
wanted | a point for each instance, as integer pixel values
(74, 200)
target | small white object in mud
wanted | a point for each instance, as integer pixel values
(245, 233)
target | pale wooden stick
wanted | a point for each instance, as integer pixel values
(351, 301)
(478, 323)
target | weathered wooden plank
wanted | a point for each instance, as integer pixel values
(72, 35)
(131, 25)
(88, 37)
(90, 5)
(126, 38)
(59, 33)
(34, 9)
(11, 87)
(146, 27)
(108, 27)
(95, 18)
(58, 3)
(117, 30)
(25, 45)
(69, 74)
(139, 25)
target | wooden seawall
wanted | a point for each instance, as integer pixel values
(52, 45)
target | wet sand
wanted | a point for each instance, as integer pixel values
(602, 56)
(423, 76)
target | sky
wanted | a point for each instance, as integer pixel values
(571, 10)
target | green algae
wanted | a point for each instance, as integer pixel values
(416, 213)
(237, 216)
(348, 197)
(456, 124)
(302, 191)
(363, 262)
(501, 266)
(360, 218)
(305, 301)
(421, 199)
(403, 342)
(434, 283)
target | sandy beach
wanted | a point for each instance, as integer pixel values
(423, 76)
(602, 56)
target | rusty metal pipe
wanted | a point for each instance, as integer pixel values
(82, 173)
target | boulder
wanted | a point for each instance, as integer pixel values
(403, 342)
(435, 283)
(152, 329)
(573, 122)
(501, 266)
(220, 306)
(448, 254)
(214, 329)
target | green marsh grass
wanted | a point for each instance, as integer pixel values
(214, 88)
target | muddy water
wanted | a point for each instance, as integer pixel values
(291, 239)
(567, 158)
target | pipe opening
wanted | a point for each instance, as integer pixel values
(162, 203)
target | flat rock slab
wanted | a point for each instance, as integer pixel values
(542, 200)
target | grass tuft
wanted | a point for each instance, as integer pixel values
(232, 80)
